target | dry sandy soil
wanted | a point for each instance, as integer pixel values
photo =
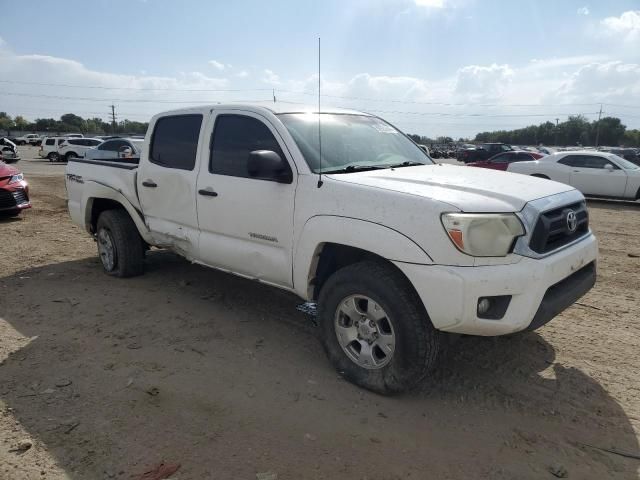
(108, 377)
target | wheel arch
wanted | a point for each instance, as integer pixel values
(99, 198)
(328, 243)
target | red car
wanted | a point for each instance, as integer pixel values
(14, 191)
(502, 160)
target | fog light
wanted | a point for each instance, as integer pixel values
(484, 304)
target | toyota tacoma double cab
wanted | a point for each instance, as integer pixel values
(344, 210)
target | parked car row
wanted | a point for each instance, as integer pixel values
(36, 140)
(595, 173)
(64, 148)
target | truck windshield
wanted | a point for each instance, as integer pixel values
(351, 142)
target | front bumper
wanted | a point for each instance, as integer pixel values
(539, 288)
(13, 200)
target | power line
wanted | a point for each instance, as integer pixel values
(122, 100)
(444, 114)
(314, 94)
(140, 89)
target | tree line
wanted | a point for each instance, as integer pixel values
(68, 123)
(576, 130)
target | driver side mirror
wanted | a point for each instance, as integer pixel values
(268, 165)
(609, 167)
(125, 152)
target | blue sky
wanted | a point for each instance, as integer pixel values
(457, 66)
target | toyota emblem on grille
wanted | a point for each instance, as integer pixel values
(572, 221)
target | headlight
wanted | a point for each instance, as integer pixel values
(483, 234)
(16, 178)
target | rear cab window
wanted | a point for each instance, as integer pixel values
(174, 142)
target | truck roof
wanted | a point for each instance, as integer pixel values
(275, 108)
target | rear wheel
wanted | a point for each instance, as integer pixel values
(120, 247)
(53, 157)
(375, 329)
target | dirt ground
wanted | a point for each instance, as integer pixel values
(109, 377)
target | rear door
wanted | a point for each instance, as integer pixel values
(167, 179)
(246, 223)
(590, 175)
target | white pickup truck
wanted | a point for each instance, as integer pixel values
(346, 211)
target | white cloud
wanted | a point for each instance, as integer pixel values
(270, 77)
(614, 82)
(626, 25)
(430, 3)
(480, 83)
(138, 96)
(433, 106)
(583, 11)
(216, 64)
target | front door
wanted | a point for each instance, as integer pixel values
(246, 223)
(167, 179)
(591, 177)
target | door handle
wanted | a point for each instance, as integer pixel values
(207, 193)
(149, 183)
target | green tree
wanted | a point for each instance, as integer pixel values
(21, 122)
(611, 131)
(6, 122)
(631, 138)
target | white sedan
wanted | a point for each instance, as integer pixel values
(597, 174)
(116, 148)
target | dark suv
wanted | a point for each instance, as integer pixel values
(483, 151)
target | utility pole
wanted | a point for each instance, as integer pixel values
(113, 118)
(274, 95)
(598, 126)
(556, 142)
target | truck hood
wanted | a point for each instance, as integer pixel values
(467, 189)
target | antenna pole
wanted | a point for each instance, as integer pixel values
(598, 128)
(319, 129)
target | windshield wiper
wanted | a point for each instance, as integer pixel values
(354, 168)
(406, 164)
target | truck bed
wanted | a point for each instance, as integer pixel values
(119, 175)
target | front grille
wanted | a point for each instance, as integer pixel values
(7, 200)
(21, 197)
(12, 199)
(552, 232)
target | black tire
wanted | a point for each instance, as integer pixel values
(70, 155)
(540, 175)
(53, 157)
(417, 342)
(127, 244)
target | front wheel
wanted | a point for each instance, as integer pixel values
(375, 329)
(120, 247)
